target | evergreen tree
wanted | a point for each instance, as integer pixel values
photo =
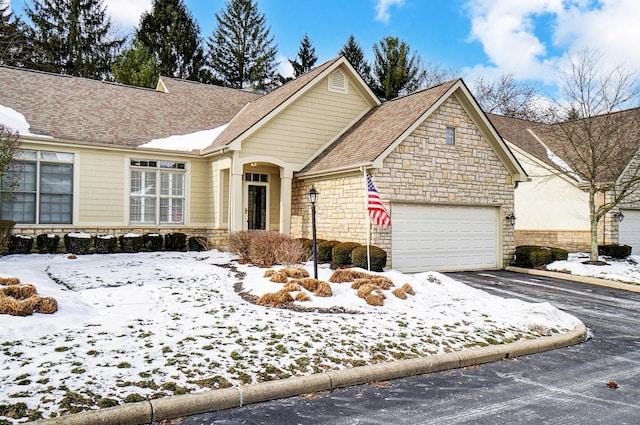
(14, 47)
(354, 54)
(170, 32)
(136, 66)
(72, 37)
(307, 56)
(395, 72)
(242, 53)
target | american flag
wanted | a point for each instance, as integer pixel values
(377, 211)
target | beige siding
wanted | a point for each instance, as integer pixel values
(202, 194)
(102, 187)
(306, 125)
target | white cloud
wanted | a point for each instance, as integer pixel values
(284, 67)
(126, 13)
(530, 38)
(382, 9)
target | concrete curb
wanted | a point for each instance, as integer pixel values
(183, 405)
(575, 278)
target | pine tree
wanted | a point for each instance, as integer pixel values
(354, 54)
(242, 53)
(14, 47)
(395, 72)
(307, 56)
(172, 34)
(72, 37)
(136, 66)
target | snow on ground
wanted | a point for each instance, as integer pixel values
(623, 270)
(136, 326)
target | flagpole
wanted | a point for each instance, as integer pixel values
(367, 217)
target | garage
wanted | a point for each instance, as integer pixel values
(630, 230)
(444, 237)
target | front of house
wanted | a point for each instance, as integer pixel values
(103, 159)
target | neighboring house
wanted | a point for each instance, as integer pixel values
(552, 209)
(110, 157)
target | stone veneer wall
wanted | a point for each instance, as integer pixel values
(217, 237)
(422, 169)
(577, 240)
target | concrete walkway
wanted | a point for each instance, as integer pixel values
(185, 405)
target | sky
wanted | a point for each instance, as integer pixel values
(488, 38)
(133, 323)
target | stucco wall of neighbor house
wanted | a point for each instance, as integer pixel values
(307, 125)
(422, 169)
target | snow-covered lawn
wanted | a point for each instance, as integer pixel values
(135, 326)
(626, 270)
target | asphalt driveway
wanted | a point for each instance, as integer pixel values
(595, 382)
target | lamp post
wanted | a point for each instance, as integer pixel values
(312, 195)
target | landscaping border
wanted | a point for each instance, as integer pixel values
(576, 278)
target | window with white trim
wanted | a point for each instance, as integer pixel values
(157, 192)
(38, 188)
(451, 136)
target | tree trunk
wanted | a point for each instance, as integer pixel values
(593, 219)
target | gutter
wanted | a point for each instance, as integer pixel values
(337, 170)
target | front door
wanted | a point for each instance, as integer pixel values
(256, 208)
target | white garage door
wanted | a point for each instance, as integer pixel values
(630, 230)
(443, 238)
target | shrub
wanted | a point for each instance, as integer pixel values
(77, 243)
(199, 243)
(5, 233)
(239, 242)
(324, 250)
(263, 247)
(558, 254)
(175, 241)
(378, 257)
(105, 244)
(290, 251)
(19, 244)
(532, 256)
(131, 242)
(47, 243)
(615, 251)
(152, 241)
(341, 253)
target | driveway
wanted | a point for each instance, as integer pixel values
(567, 386)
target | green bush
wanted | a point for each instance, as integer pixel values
(19, 244)
(532, 256)
(78, 243)
(47, 243)
(152, 241)
(130, 242)
(199, 243)
(377, 255)
(105, 244)
(325, 251)
(558, 254)
(5, 233)
(341, 253)
(175, 241)
(614, 251)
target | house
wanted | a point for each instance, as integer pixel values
(105, 158)
(552, 209)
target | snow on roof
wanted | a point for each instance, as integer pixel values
(186, 142)
(15, 121)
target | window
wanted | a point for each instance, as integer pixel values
(451, 136)
(157, 192)
(38, 188)
(255, 177)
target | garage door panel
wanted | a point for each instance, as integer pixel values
(630, 230)
(435, 237)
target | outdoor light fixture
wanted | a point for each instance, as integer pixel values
(254, 164)
(618, 216)
(312, 195)
(512, 219)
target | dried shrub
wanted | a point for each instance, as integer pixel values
(16, 307)
(5, 233)
(407, 289)
(290, 251)
(377, 257)
(9, 280)
(399, 292)
(19, 292)
(347, 275)
(374, 300)
(382, 281)
(366, 289)
(301, 296)
(297, 273)
(46, 305)
(47, 243)
(291, 287)
(323, 290)
(341, 253)
(275, 299)
(279, 277)
(199, 243)
(308, 283)
(263, 247)
(239, 242)
(269, 273)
